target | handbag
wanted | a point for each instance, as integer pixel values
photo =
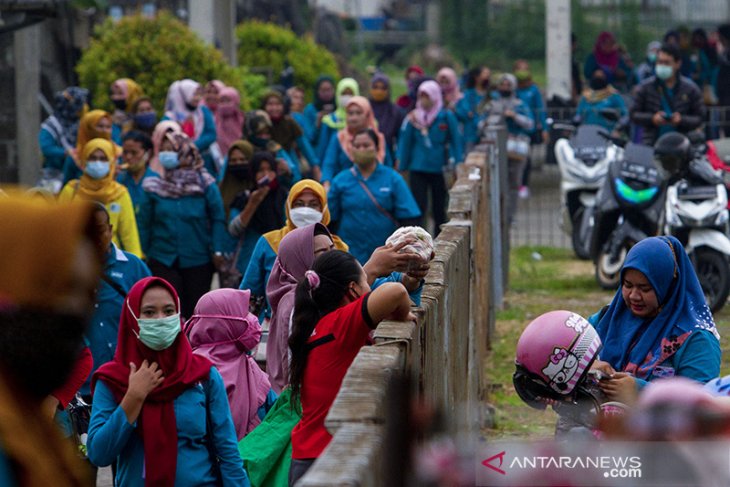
(518, 147)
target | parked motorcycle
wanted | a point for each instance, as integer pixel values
(584, 158)
(629, 206)
(696, 213)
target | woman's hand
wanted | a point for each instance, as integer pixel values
(604, 367)
(386, 260)
(620, 387)
(142, 381)
(258, 196)
(219, 261)
(509, 114)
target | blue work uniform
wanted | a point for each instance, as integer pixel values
(590, 113)
(532, 97)
(135, 189)
(336, 160)
(467, 111)
(430, 152)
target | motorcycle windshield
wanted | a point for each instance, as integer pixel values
(588, 143)
(635, 196)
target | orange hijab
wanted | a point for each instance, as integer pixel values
(345, 135)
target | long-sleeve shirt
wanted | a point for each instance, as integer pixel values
(429, 152)
(336, 160)
(468, 113)
(54, 154)
(188, 229)
(135, 188)
(202, 415)
(590, 112)
(532, 97)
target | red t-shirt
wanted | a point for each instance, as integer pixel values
(334, 343)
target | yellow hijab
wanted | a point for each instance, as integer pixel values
(87, 129)
(132, 91)
(103, 190)
(274, 237)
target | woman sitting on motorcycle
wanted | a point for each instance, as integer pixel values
(658, 324)
(598, 99)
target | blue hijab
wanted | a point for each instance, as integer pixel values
(639, 345)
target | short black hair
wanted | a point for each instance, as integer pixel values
(370, 133)
(140, 137)
(672, 50)
(99, 207)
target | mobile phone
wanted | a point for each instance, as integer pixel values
(329, 108)
(264, 181)
(598, 375)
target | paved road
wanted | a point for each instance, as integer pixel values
(104, 477)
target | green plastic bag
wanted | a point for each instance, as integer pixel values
(266, 451)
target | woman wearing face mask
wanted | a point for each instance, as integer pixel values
(144, 116)
(225, 332)
(59, 132)
(136, 153)
(339, 154)
(158, 136)
(470, 109)
(600, 96)
(369, 196)
(336, 120)
(333, 300)
(607, 56)
(324, 103)
(658, 324)
(181, 221)
(97, 183)
(446, 78)
(305, 205)
(287, 132)
(196, 120)
(422, 149)
(228, 118)
(123, 93)
(413, 75)
(257, 129)
(96, 124)
(159, 410)
(388, 115)
(236, 173)
(529, 93)
(257, 211)
(519, 127)
(646, 69)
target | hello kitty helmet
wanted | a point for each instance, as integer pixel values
(554, 354)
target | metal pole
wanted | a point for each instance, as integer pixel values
(26, 54)
(557, 48)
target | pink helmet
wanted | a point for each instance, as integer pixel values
(557, 349)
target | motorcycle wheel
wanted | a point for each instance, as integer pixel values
(580, 246)
(608, 272)
(713, 272)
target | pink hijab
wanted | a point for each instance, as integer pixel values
(452, 92)
(158, 135)
(218, 85)
(345, 136)
(228, 118)
(179, 95)
(296, 256)
(424, 118)
(225, 332)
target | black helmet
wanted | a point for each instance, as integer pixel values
(673, 150)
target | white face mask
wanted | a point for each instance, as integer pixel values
(303, 216)
(344, 100)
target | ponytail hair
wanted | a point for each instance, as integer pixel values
(320, 292)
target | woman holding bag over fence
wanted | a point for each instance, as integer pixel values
(334, 312)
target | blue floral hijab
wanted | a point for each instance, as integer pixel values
(639, 345)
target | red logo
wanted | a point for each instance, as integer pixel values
(488, 463)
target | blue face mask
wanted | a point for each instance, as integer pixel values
(97, 169)
(663, 71)
(168, 159)
(651, 57)
(145, 120)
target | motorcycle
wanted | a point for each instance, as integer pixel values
(584, 158)
(629, 206)
(696, 213)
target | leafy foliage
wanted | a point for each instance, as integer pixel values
(267, 45)
(154, 53)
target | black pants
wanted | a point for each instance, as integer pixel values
(189, 282)
(420, 183)
(298, 468)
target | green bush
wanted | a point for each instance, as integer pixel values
(267, 45)
(154, 53)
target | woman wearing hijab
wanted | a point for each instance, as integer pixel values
(144, 116)
(196, 120)
(181, 221)
(97, 183)
(212, 94)
(124, 93)
(598, 97)
(336, 120)
(236, 173)
(388, 115)
(449, 82)
(161, 130)
(256, 211)
(287, 132)
(470, 109)
(228, 118)
(305, 205)
(96, 124)
(658, 324)
(58, 134)
(324, 103)
(258, 130)
(339, 156)
(161, 411)
(607, 56)
(226, 333)
(413, 74)
(428, 136)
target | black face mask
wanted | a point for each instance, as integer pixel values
(120, 104)
(598, 83)
(40, 348)
(485, 84)
(191, 108)
(505, 93)
(240, 171)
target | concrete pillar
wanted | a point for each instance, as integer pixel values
(557, 48)
(26, 54)
(215, 21)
